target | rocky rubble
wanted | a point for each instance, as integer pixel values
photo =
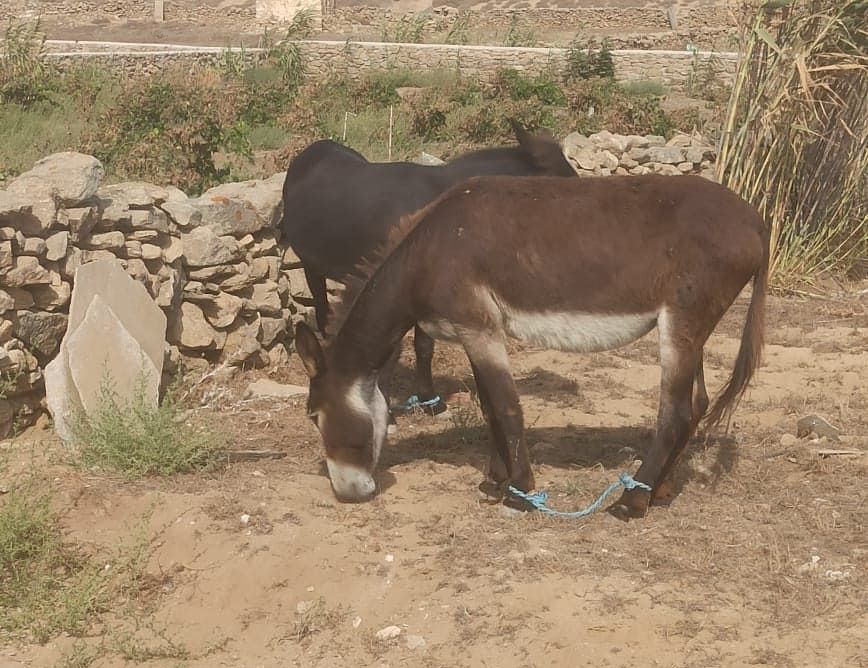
(211, 263)
(604, 154)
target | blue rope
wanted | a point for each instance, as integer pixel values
(538, 499)
(414, 402)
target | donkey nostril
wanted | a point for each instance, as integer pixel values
(350, 483)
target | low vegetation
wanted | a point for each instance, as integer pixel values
(796, 135)
(46, 586)
(136, 438)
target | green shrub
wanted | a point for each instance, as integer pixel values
(168, 128)
(583, 62)
(25, 77)
(518, 35)
(137, 439)
(510, 82)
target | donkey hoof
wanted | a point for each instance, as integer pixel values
(633, 504)
(624, 512)
(436, 408)
(517, 503)
(491, 490)
(663, 495)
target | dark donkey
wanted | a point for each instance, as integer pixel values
(569, 264)
(338, 208)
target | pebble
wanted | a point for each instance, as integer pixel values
(788, 440)
(390, 558)
(245, 519)
(415, 642)
(357, 622)
(388, 633)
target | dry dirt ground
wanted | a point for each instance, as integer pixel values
(761, 560)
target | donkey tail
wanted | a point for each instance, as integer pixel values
(749, 352)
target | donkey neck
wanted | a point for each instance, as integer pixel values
(377, 320)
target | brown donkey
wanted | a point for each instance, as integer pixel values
(568, 264)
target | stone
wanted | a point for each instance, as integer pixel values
(242, 340)
(627, 162)
(388, 633)
(202, 248)
(7, 330)
(640, 155)
(56, 246)
(80, 221)
(216, 272)
(98, 256)
(264, 246)
(133, 248)
(587, 159)
(137, 269)
(681, 141)
(129, 301)
(606, 140)
(290, 260)
(266, 298)
(34, 246)
(655, 140)
(6, 258)
(666, 170)
(25, 270)
(151, 220)
(70, 177)
(246, 241)
(429, 160)
(414, 642)
(259, 268)
(241, 208)
(73, 260)
(183, 213)
(151, 236)
(41, 332)
(639, 170)
(173, 250)
(15, 299)
(169, 291)
(222, 309)
(51, 297)
(271, 329)
(106, 241)
(190, 329)
(575, 141)
(278, 356)
(685, 167)
(133, 194)
(667, 155)
(636, 141)
(31, 214)
(151, 252)
(269, 389)
(102, 344)
(788, 440)
(240, 281)
(608, 160)
(694, 155)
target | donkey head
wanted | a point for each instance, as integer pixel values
(351, 414)
(542, 151)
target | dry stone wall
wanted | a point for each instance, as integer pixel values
(212, 263)
(354, 59)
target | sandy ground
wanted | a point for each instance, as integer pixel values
(761, 559)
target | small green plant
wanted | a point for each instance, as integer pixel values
(583, 62)
(518, 35)
(407, 30)
(25, 77)
(136, 438)
(46, 587)
(458, 32)
(519, 86)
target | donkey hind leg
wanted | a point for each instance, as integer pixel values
(317, 285)
(503, 409)
(424, 348)
(666, 491)
(679, 362)
(497, 475)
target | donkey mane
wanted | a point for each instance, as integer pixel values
(356, 281)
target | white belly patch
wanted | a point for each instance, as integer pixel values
(577, 332)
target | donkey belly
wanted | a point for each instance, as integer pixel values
(576, 331)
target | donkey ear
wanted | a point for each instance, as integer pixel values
(309, 350)
(521, 135)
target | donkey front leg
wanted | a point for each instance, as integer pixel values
(503, 410)
(497, 474)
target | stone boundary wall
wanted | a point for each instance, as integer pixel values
(627, 19)
(672, 68)
(212, 263)
(122, 9)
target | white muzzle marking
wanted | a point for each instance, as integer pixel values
(350, 482)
